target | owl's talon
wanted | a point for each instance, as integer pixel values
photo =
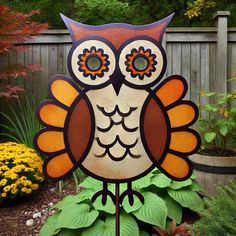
(104, 193)
(131, 193)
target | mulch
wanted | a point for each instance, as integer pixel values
(14, 215)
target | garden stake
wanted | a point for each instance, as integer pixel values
(117, 121)
(117, 186)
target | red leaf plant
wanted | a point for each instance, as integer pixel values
(174, 230)
(16, 28)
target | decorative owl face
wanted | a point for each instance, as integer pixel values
(100, 56)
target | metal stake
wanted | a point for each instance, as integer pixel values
(117, 209)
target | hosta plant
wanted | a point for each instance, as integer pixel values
(164, 200)
(20, 171)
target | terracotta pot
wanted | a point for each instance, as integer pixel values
(213, 171)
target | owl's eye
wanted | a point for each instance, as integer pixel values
(141, 62)
(92, 62)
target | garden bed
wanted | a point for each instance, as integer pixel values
(13, 217)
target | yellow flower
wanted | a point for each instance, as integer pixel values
(7, 188)
(4, 195)
(14, 191)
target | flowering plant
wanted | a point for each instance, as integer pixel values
(217, 124)
(20, 170)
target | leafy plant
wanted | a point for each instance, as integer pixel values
(174, 230)
(217, 125)
(16, 27)
(218, 218)
(164, 200)
(20, 170)
(20, 124)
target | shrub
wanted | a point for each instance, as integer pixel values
(20, 170)
(16, 28)
(219, 217)
(20, 123)
(164, 200)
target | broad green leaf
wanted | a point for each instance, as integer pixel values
(128, 227)
(141, 183)
(174, 209)
(69, 232)
(77, 217)
(135, 207)
(153, 211)
(223, 129)
(187, 198)
(142, 233)
(91, 183)
(209, 136)
(67, 202)
(161, 180)
(195, 187)
(50, 226)
(98, 228)
(109, 207)
(180, 184)
(85, 194)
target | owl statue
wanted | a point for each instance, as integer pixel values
(116, 120)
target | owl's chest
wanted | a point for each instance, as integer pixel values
(117, 114)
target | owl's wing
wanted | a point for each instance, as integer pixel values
(69, 128)
(165, 131)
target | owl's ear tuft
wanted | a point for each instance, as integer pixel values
(161, 25)
(71, 25)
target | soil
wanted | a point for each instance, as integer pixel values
(14, 215)
(217, 151)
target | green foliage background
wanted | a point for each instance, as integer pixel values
(130, 11)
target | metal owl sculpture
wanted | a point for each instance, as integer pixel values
(117, 120)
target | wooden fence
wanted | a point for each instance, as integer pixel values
(206, 57)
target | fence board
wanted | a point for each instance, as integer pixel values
(186, 64)
(195, 72)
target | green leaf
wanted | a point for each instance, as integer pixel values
(137, 204)
(187, 198)
(91, 183)
(50, 226)
(109, 207)
(142, 233)
(142, 183)
(67, 202)
(69, 232)
(233, 110)
(180, 184)
(174, 209)
(128, 227)
(195, 187)
(209, 136)
(85, 194)
(153, 211)
(161, 180)
(77, 217)
(223, 129)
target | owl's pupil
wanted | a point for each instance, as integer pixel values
(140, 63)
(93, 63)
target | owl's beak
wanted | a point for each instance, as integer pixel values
(117, 81)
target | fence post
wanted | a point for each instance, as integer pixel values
(221, 18)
